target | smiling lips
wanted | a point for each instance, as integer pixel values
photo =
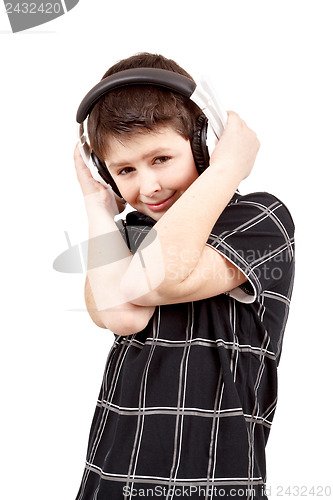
(156, 207)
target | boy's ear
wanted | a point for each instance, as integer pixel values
(199, 144)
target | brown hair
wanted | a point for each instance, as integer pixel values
(140, 109)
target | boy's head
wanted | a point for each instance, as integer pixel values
(140, 109)
(142, 134)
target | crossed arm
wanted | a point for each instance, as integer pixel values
(122, 296)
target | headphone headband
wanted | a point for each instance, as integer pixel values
(163, 78)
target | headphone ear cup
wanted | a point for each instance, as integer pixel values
(104, 173)
(199, 144)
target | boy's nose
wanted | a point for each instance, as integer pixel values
(149, 186)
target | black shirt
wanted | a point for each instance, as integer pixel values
(186, 405)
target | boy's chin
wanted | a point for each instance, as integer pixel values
(154, 215)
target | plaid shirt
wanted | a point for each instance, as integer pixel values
(186, 405)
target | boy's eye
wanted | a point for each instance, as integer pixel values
(125, 170)
(161, 159)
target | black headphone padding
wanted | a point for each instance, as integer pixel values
(104, 173)
(199, 144)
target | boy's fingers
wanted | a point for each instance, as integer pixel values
(86, 181)
(79, 162)
(82, 170)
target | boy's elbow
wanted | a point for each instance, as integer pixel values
(132, 320)
(125, 319)
(96, 319)
(122, 326)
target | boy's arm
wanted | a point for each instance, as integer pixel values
(124, 319)
(106, 304)
(121, 289)
(213, 275)
(194, 271)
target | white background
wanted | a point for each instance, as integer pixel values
(271, 61)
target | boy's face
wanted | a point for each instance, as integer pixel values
(152, 170)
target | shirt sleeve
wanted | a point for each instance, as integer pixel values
(256, 233)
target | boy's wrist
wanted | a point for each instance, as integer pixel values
(100, 219)
(104, 200)
(101, 210)
(227, 169)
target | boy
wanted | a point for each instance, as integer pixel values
(189, 390)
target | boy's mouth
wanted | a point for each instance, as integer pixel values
(156, 207)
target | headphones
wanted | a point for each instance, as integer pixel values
(209, 128)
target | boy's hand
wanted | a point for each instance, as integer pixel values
(238, 147)
(93, 190)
